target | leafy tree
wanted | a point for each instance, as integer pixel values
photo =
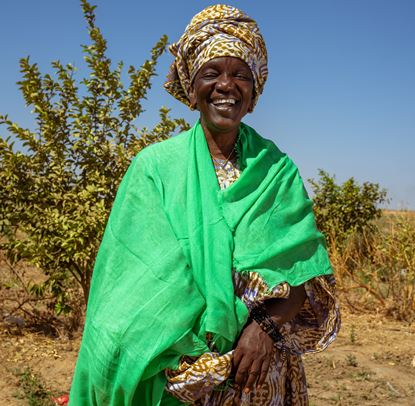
(341, 210)
(56, 192)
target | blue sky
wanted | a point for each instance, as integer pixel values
(340, 94)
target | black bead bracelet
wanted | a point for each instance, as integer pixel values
(261, 316)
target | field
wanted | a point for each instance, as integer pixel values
(371, 363)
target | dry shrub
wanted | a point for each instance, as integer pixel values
(375, 268)
(24, 307)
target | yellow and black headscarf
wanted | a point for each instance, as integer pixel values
(216, 31)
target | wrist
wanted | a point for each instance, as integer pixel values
(278, 320)
(260, 315)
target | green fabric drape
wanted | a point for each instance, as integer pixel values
(162, 277)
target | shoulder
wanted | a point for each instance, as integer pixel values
(271, 155)
(258, 143)
(165, 159)
(165, 151)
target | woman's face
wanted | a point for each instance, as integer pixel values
(223, 92)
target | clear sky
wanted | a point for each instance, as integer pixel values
(340, 94)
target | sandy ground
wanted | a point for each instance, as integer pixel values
(371, 363)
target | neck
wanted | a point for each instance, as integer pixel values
(221, 144)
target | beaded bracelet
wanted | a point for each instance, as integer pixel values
(261, 316)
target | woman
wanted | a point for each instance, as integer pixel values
(211, 279)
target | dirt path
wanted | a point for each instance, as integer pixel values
(371, 363)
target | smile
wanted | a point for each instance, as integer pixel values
(224, 102)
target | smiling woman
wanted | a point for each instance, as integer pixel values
(211, 279)
(223, 91)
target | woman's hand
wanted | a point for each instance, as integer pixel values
(253, 353)
(252, 357)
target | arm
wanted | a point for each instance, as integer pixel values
(283, 310)
(253, 352)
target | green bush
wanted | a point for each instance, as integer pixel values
(342, 210)
(56, 192)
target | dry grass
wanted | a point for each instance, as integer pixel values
(375, 271)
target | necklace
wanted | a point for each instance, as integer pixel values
(223, 162)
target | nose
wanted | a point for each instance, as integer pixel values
(224, 82)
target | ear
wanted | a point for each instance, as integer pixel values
(192, 98)
(251, 105)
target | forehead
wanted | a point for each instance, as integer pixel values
(225, 62)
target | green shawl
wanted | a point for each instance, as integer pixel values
(162, 277)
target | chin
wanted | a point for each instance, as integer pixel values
(222, 125)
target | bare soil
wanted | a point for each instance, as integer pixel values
(371, 363)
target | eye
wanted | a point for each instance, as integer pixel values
(243, 76)
(210, 74)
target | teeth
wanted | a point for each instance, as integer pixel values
(224, 101)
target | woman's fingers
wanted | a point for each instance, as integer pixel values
(248, 373)
(241, 376)
(242, 371)
(264, 371)
(236, 400)
(253, 375)
(251, 358)
(237, 356)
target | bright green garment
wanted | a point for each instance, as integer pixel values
(162, 277)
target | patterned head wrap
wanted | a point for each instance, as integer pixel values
(216, 31)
